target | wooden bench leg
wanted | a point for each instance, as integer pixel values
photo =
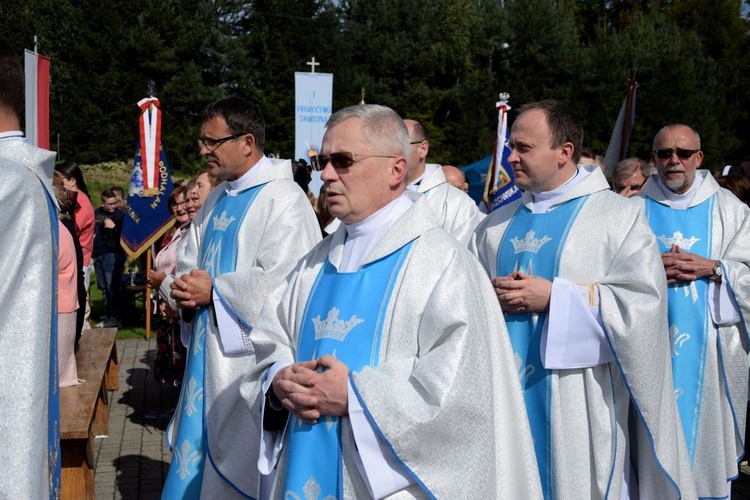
(101, 411)
(113, 370)
(77, 478)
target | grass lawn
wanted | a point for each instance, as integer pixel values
(133, 325)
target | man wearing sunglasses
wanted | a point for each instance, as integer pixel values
(578, 276)
(703, 232)
(247, 236)
(387, 347)
(456, 211)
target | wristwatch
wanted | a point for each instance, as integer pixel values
(716, 276)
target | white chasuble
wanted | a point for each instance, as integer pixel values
(591, 430)
(219, 256)
(709, 340)
(277, 228)
(437, 382)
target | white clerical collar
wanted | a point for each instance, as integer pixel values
(414, 185)
(545, 199)
(12, 135)
(243, 182)
(362, 236)
(680, 201)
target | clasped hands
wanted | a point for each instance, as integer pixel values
(192, 290)
(681, 266)
(308, 393)
(519, 292)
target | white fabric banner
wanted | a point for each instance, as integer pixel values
(32, 114)
(313, 105)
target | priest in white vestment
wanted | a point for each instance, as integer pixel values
(383, 367)
(456, 212)
(247, 236)
(703, 233)
(29, 394)
(578, 276)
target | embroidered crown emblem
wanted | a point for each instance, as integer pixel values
(221, 223)
(679, 240)
(333, 327)
(529, 243)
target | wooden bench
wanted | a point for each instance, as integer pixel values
(84, 410)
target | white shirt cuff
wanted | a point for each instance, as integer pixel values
(271, 443)
(382, 473)
(573, 335)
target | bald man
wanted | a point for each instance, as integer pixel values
(455, 211)
(456, 178)
(704, 236)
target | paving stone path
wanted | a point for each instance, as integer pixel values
(132, 462)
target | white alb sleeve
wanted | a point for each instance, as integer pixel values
(271, 442)
(380, 470)
(720, 305)
(573, 334)
(234, 334)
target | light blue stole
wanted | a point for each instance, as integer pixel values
(53, 408)
(533, 244)
(689, 320)
(343, 317)
(218, 256)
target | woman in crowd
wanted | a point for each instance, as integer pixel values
(69, 286)
(84, 220)
(204, 183)
(168, 363)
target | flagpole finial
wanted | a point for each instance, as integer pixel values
(504, 97)
(363, 96)
(151, 86)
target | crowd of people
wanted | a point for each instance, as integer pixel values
(587, 340)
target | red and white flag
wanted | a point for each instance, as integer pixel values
(149, 127)
(37, 99)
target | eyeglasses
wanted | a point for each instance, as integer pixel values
(682, 154)
(417, 142)
(617, 188)
(213, 144)
(341, 159)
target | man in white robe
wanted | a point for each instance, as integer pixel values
(704, 234)
(29, 394)
(456, 212)
(386, 343)
(578, 275)
(247, 236)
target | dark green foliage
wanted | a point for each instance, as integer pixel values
(442, 62)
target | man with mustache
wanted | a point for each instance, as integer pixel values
(247, 236)
(703, 232)
(578, 276)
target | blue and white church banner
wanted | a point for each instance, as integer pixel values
(313, 105)
(147, 215)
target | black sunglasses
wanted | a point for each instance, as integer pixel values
(341, 159)
(617, 188)
(682, 154)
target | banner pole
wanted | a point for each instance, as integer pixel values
(148, 295)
